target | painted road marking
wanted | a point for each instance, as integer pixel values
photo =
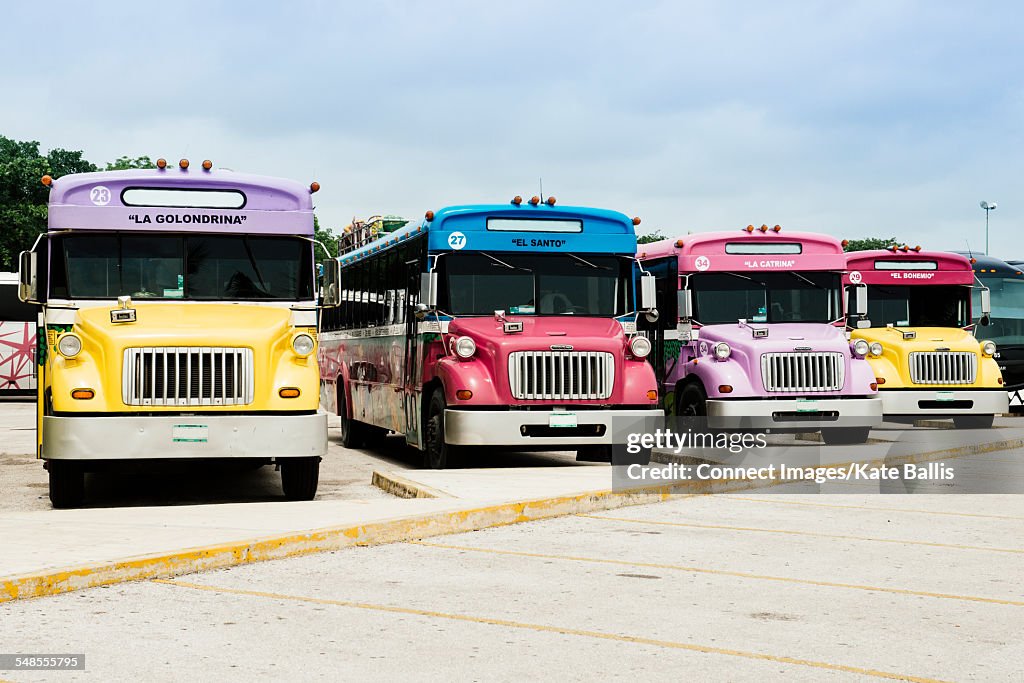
(544, 628)
(725, 572)
(867, 507)
(806, 533)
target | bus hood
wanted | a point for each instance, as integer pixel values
(185, 324)
(781, 337)
(554, 333)
(912, 339)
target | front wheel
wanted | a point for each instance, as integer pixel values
(300, 477)
(973, 421)
(67, 483)
(351, 434)
(439, 454)
(692, 401)
(845, 436)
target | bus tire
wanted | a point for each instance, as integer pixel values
(845, 436)
(692, 401)
(595, 453)
(300, 477)
(438, 454)
(973, 421)
(67, 483)
(351, 430)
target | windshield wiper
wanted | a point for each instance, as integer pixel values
(588, 263)
(750, 279)
(805, 279)
(502, 263)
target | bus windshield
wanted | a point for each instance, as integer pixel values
(909, 306)
(1006, 325)
(480, 283)
(211, 267)
(766, 297)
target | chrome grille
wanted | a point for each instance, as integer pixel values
(943, 367)
(187, 376)
(561, 375)
(803, 371)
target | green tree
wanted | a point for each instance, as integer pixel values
(22, 195)
(327, 237)
(650, 237)
(869, 243)
(125, 163)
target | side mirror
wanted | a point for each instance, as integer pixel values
(647, 296)
(428, 289)
(28, 274)
(986, 303)
(684, 300)
(332, 283)
(861, 302)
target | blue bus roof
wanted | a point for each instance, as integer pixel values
(511, 227)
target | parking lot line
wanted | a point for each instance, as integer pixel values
(794, 532)
(868, 507)
(725, 572)
(639, 640)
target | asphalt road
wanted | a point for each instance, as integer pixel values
(728, 587)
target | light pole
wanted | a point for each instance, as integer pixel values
(988, 206)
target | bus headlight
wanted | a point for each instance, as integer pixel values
(69, 345)
(861, 348)
(465, 347)
(875, 348)
(640, 346)
(303, 344)
(988, 347)
(722, 350)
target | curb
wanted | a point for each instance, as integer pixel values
(400, 487)
(191, 560)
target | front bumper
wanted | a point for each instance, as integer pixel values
(533, 427)
(175, 436)
(932, 402)
(793, 413)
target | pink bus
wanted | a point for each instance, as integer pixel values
(18, 340)
(752, 334)
(489, 326)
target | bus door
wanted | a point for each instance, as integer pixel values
(413, 366)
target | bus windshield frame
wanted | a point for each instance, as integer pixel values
(479, 283)
(722, 297)
(917, 306)
(181, 266)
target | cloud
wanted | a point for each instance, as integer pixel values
(858, 119)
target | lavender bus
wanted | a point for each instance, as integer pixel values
(752, 334)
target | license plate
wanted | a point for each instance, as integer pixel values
(806, 406)
(562, 420)
(944, 396)
(190, 433)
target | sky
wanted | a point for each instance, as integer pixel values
(859, 119)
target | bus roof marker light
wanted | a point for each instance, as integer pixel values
(845, 243)
(161, 163)
(46, 180)
(636, 220)
(183, 164)
(679, 244)
(749, 228)
(534, 200)
(763, 228)
(550, 201)
(777, 228)
(314, 187)
(517, 200)
(207, 164)
(429, 215)
(917, 248)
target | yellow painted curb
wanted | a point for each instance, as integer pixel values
(191, 560)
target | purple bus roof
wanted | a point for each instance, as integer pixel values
(96, 201)
(740, 250)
